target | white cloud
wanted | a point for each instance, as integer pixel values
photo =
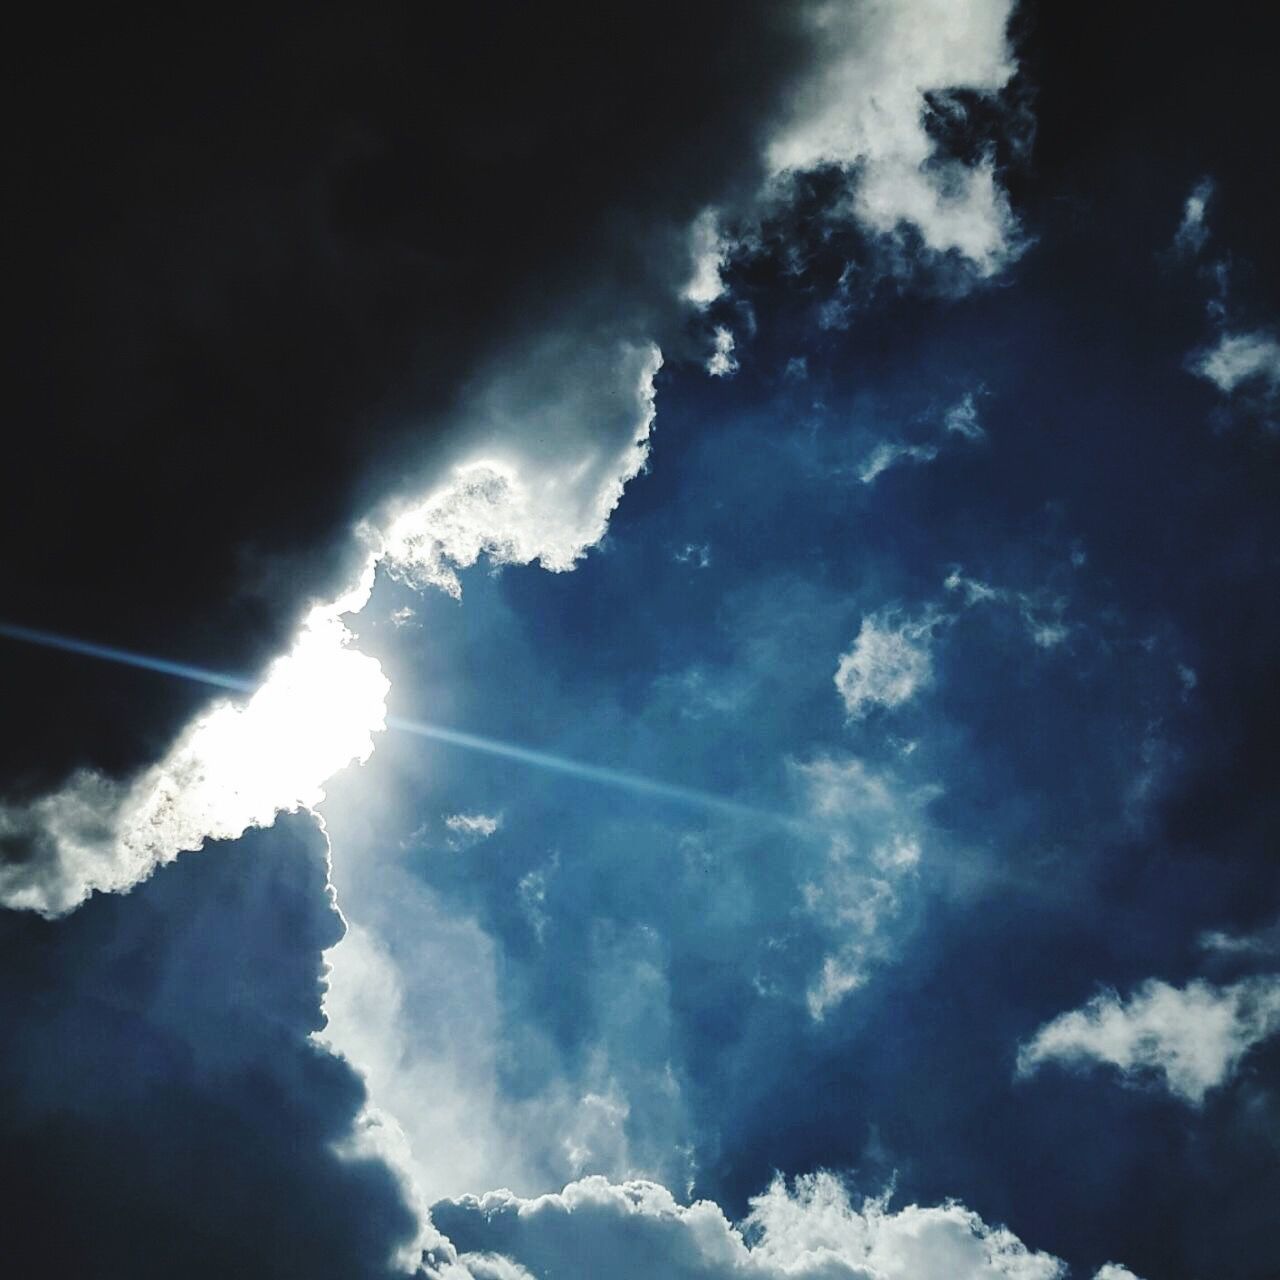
(810, 1230)
(547, 462)
(1114, 1271)
(1241, 358)
(962, 419)
(886, 454)
(722, 363)
(709, 250)
(1192, 1038)
(841, 975)
(874, 835)
(973, 590)
(1192, 231)
(438, 1114)
(1041, 613)
(888, 664)
(1265, 942)
(864, 110)
(467, 829)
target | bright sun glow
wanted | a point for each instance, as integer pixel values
(236, 766)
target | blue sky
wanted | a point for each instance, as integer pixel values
(885, 465)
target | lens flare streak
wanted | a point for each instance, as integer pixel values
(599, 774)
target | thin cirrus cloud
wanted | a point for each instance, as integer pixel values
(1190, 1039)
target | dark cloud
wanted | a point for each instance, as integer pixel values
(250, 264)
(165, 1112)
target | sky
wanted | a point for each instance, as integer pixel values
(640, 642)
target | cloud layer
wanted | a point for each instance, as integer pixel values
(809, 1230)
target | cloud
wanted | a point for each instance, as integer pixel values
(547, 458)
(886, 454)
(889, 662)
(1192, 231)
(1265, 942)
(1113, 1271)
(874, 836)
(697, 554)
(1239, 359)
(864, 110)
(467, 829)
(1041, 612)
(1192, 1038)
(722, 363)
(809, 1230)
(709, 249)
(962, 419)
(159, 1077)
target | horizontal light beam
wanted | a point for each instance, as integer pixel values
(50, 640)
(453, 737)
(578, 769)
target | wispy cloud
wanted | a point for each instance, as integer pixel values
(1193, 230)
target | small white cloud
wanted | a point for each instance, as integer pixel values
(796, 370)
(1192, 1038)
(1266, 942)
(841, 975)
(532, 893)
(467, 829)
(1193, 231)
(1043, 620)
(1114, 1271)
(722, 363)
(1241, 358)
(889, 663)
(709, 250)
(402, 616)
(887, 454)
(962, 418)
(874, 835)
(697, 554)
(973, 590)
